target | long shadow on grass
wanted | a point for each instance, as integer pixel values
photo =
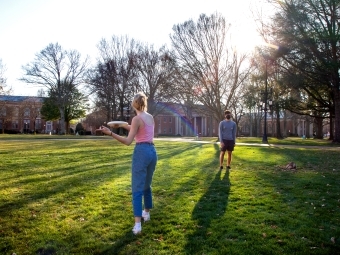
(208, 210)
(303, 194)
(120, 246)
(74, 180)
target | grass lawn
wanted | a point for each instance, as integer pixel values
(251, 140)
(73, 197)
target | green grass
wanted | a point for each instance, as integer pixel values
(252, 140)
(73, 197)
(289, 141)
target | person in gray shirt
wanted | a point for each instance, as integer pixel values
(227, 137)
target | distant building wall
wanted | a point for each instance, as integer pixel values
(21, 114)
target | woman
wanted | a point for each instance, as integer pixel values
(144, 158)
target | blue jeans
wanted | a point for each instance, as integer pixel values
(144, 160)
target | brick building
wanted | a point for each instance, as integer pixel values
(21, 114)
(180, 120)
(291, 124)
(171, 119)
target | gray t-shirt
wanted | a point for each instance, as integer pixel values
(227, 130)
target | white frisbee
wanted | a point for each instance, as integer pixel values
(118, 122)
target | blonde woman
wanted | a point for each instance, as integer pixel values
(144, 158)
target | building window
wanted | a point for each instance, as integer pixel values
(26, 125)
(170, 130)
(38, 124)
(170, 119)
(164, 119)
(27, 112)
(15, 124)
(49, 126)
(3, 111)
(164, 132)
(16, 111)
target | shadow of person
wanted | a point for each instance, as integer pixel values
(120, 244)
(211, 207)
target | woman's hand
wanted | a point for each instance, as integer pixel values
(104, 129)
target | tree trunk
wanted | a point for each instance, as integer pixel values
(337, 115)
(35, 119)
(272, 122)
(67, 124)
(319, 124)
(331, 127)
(295, 127)
(259, 126)
(251, 124)
(285, 123)
(62, 121)
(278, 126)
(307, 127)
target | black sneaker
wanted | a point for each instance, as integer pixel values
(221, 167)
(228, 167)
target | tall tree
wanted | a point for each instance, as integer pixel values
(60, 71)
(3, 86)
(7, 112)
(101, 82)
(310, 30)
(267, 71)
(49, 110)
(210, 70)
(33, 106)
(74, 110)
(114, 80)
(155, 76)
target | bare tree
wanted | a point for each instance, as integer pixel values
(41, 93)
(34, 105)
(209, 69)
(309, 33)
(156, 80)
(267, 71)
(27, 110)
(95, 119)
(60, 71)
(3, 80)
(115, 79)
(101, 81)
(7, 112)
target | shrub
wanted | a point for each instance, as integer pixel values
(80, 129)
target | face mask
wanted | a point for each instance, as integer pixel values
(228, 116)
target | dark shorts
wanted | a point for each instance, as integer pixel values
(228, 145)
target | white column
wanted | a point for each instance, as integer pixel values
(195, 126)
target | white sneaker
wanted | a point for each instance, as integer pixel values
(137, 229)
(146, 215)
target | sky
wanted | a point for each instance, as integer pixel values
(29, 26)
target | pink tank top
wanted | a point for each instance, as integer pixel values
(146, 133)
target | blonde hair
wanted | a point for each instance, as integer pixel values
(140, 102)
